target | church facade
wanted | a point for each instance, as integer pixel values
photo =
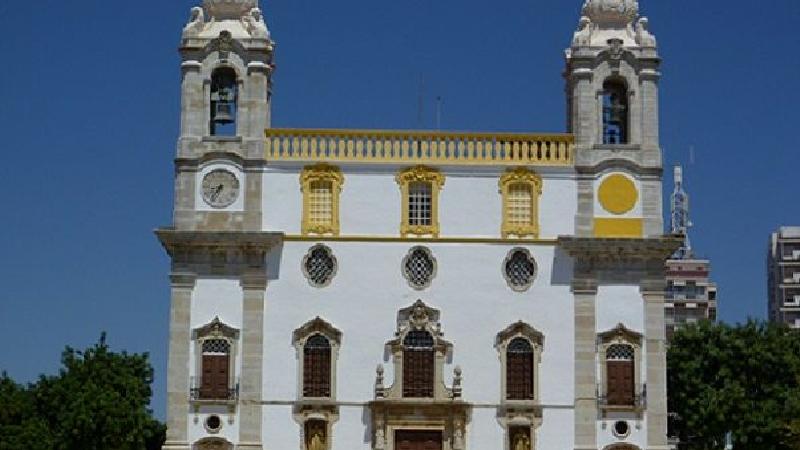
(416, 290)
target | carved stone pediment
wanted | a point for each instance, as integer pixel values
(216, 328)
(317, 325)
(621, 333)
(520, 329)
(420, 316)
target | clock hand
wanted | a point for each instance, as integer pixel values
(217, 191)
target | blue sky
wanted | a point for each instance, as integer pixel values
(90, 120)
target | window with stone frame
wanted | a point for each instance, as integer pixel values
(620, 358)
(317, 367)
(321, 185)
(215, 347)
(418, 364)
(520, 347)
(419, 187)
(317, 343)
(520, 189)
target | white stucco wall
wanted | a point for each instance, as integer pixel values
(213, 298)
(470, 204)
(475, 304)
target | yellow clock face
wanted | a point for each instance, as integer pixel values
(220, 188)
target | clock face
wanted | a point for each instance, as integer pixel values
(220, 188)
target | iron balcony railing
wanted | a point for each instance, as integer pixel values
(199, 394)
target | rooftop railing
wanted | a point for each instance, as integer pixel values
(419, 147)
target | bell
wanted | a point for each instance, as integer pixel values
(223, 113)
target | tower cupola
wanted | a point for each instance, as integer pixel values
(228, 9)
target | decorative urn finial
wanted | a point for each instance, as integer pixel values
(229, 9)
(611, 13)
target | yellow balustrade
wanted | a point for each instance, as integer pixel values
(419, 147)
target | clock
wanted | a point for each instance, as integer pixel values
(220, 188)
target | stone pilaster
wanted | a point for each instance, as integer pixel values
(178, 363)
(251, 379)
(656, 357)
(585, 293)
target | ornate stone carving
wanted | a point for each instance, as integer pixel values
(254, 24)
(643, 36)
(229, 9)
(216, 329)
(583, 36)
(611, 13)
(197, 21)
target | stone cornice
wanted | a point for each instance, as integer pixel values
(618, 250)
(220, 252)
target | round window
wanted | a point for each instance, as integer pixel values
(519, 269)
(319, 266)
(621, 429)
(419, 267)
(213, 424)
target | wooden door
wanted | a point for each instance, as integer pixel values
(418, 440)
(215, 377)
(620, 383)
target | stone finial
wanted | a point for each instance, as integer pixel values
(229, 9)
(457, 382)
(611, 13)
(380, 390)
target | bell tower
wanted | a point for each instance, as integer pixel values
(612, 104)
(226, 64)
(214, 380)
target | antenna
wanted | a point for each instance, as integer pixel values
(680, 222)
(439, 113)
(420, 100)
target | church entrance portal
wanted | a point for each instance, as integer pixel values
(418, 440)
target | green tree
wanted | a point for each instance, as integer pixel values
(98, 401)
(740, 379)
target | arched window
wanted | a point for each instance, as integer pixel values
(215, 378)
(519, 370)
(224, 102)
(418, 368)
(620, 374)
(615, 112)
(317, 367)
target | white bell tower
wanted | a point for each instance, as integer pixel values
(612, 74)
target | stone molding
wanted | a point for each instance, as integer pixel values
(220, 253)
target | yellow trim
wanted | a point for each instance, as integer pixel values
(618, 228)
(425, 175)
(309, 175)
(443, 240)
(534, 181)
(618, 194)
(419, 147)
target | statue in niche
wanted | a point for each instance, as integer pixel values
(254, 24)
(521, 441)
(316, 437)
(197, 22)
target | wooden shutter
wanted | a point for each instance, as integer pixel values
(418, 373)
(317, 368)
(519, 370)
(620, 383)
(215, 381)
